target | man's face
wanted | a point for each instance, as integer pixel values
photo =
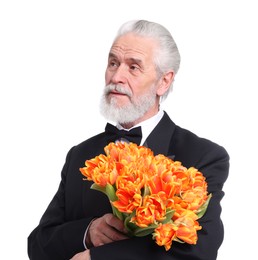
(131, 67)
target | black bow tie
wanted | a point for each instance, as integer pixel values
(113, 134)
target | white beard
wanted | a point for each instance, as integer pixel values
(130, 112)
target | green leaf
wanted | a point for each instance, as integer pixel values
(130, 226)
(169, 215)
(141, 232)
(111, 193)
(203, 208)
(117, 213)
(95, 186)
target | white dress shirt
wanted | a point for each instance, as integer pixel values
(147, 126)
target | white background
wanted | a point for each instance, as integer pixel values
(52, 61)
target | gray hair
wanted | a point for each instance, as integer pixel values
(167, 56)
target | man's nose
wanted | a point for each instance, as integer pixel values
(119, 75)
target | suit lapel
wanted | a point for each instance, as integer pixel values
(159, 139)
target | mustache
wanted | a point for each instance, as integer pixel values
(118, 88)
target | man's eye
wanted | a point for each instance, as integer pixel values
(113, 64)
(134, 67)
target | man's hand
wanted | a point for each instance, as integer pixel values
(85, 255)
(105, 230)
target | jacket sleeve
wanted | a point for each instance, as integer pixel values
(55, 237)
(214, 164)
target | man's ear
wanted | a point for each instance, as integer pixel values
(164, 82)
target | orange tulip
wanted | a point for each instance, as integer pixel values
(127, 201)
(165, 234)
(159, 183)
(195, 198)
(187, 227)
(152, 210)
(101, 170)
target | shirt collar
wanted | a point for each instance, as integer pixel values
(147, 125)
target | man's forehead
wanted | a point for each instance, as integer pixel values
(132, 46)
(131, 59)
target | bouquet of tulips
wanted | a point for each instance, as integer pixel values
(151, 194)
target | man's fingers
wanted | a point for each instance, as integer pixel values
(116, 223)
(105, 230)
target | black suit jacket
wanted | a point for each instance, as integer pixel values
(60, 232)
